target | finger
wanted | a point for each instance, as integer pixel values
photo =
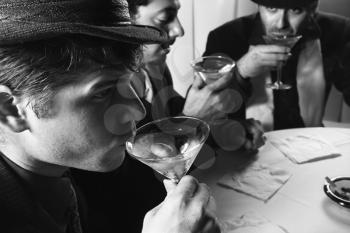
(201, 196)
(260, 138)
(169, 185)
(248, 145)
(255, 132)
(249, 127)
(198, 81)
(221, 83)
(210, 225)
(274, 59)
(259, 130)
(187, 187)
(260, 142)
(274, 49)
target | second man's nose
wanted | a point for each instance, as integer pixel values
(176, 29)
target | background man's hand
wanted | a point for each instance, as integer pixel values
(183, 210)
(262, 58)
(209, 101)
(254, 133)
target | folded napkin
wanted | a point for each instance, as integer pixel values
(257, 180)
(305, 148)
(250, 223)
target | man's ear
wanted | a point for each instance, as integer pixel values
(10, 115)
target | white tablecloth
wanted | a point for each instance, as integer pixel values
(301, 205)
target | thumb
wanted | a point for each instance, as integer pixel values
(169, 185)
(222, 82)
(198, 81)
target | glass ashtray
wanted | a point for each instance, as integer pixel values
(340, 193)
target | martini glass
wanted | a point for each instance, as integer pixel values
(211, 68)
(284, 40)
(169, 145)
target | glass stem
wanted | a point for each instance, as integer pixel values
(279, 74)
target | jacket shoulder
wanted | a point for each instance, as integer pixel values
(333, 27)
(237, 26)
(231, 38)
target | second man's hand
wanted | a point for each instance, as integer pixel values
(209, 101)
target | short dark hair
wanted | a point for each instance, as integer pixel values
(38, 69)
(134, 4)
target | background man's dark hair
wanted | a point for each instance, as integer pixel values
(134, 4)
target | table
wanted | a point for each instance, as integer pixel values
(301, 205)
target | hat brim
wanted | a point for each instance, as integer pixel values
(285, 3)
(18, 32)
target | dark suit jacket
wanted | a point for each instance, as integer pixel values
(234, 38)
(19, 211)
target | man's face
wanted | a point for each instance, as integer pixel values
(91, 121)
(283, 21)
(163, 15)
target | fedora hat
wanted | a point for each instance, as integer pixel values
(284, 3)
(28, 20)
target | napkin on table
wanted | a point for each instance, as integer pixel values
(250, 223)
(257, 180)
(305, 148)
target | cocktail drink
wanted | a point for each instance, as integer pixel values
(169, 145)
(211, 68)
(283, 40)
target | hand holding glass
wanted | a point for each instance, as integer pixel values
(284, 40)
(211, 68)
(169, 145)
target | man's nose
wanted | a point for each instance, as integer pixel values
(176, 29)
(134, 108)
(283, 20)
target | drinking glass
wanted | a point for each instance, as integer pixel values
(284, 40)
(211, 68)
(169, 145)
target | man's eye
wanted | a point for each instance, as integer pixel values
(161, 21)
(104, 94)
(164, 19)
(272, 9)
(297, 11)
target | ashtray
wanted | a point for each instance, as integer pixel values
(338, 189)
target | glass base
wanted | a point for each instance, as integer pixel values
(278, 86)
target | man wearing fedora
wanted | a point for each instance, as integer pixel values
(154, 85)
(320, 59)
(66, 101)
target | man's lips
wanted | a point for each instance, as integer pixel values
(122, 139)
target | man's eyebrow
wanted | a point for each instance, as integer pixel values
(169, 9)
(111, 82)
(102, 84)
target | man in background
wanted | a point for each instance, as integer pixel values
(319, 60)
(211, 102)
